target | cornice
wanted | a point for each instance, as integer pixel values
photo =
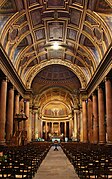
(9, 70)
(102, 70)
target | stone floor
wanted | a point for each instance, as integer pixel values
(56, 166)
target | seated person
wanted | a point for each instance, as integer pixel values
(55, 145)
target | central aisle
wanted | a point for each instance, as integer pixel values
(56, 166)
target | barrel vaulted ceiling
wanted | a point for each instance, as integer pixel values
(29, 28)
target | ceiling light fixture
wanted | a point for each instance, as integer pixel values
(55, 46)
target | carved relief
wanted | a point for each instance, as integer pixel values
(55, 30)
(55, 3)
(13, 34)
(77, 1)
(75, 16)
(36, 17)
(102, 6)
(97, 33)
(33, 1)
(40, 34)
(71, 34)
(55, 54)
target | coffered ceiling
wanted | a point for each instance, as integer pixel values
(82, 29)
(55, 75)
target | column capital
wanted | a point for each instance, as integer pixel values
(89, 99)
(107, 78)
(85, 99)
(94, 93)
(99, 87)
(17, 93)
(11, 87)
(4, 79)
(30, 110)
(75, 108)
(26, 100)
(76, 111)
(35, 108)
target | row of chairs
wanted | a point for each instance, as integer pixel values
(23, 161)
(90, 160)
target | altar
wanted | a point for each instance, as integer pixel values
(56, 138)
(59, 138)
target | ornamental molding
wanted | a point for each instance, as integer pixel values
(76, 70)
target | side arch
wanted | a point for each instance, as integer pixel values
(28, 78)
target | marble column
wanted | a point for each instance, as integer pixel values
(108, 87)
(0, 94)
(84, 117)
(95, 118)
(30, 121)
(70, 128)
(101, 111)
(36, 125)
(81, 126)
(21, 110)
(27, 122)
(75, 126)
(45, 130)
(16, 108)
(41, 123)
(90, 129)
(65, 129)
(59, 129)
(32, 125)
(3, 110)
(52, 131)
(0, 97)
(39, 128)
(10, 113)
(78, 125)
